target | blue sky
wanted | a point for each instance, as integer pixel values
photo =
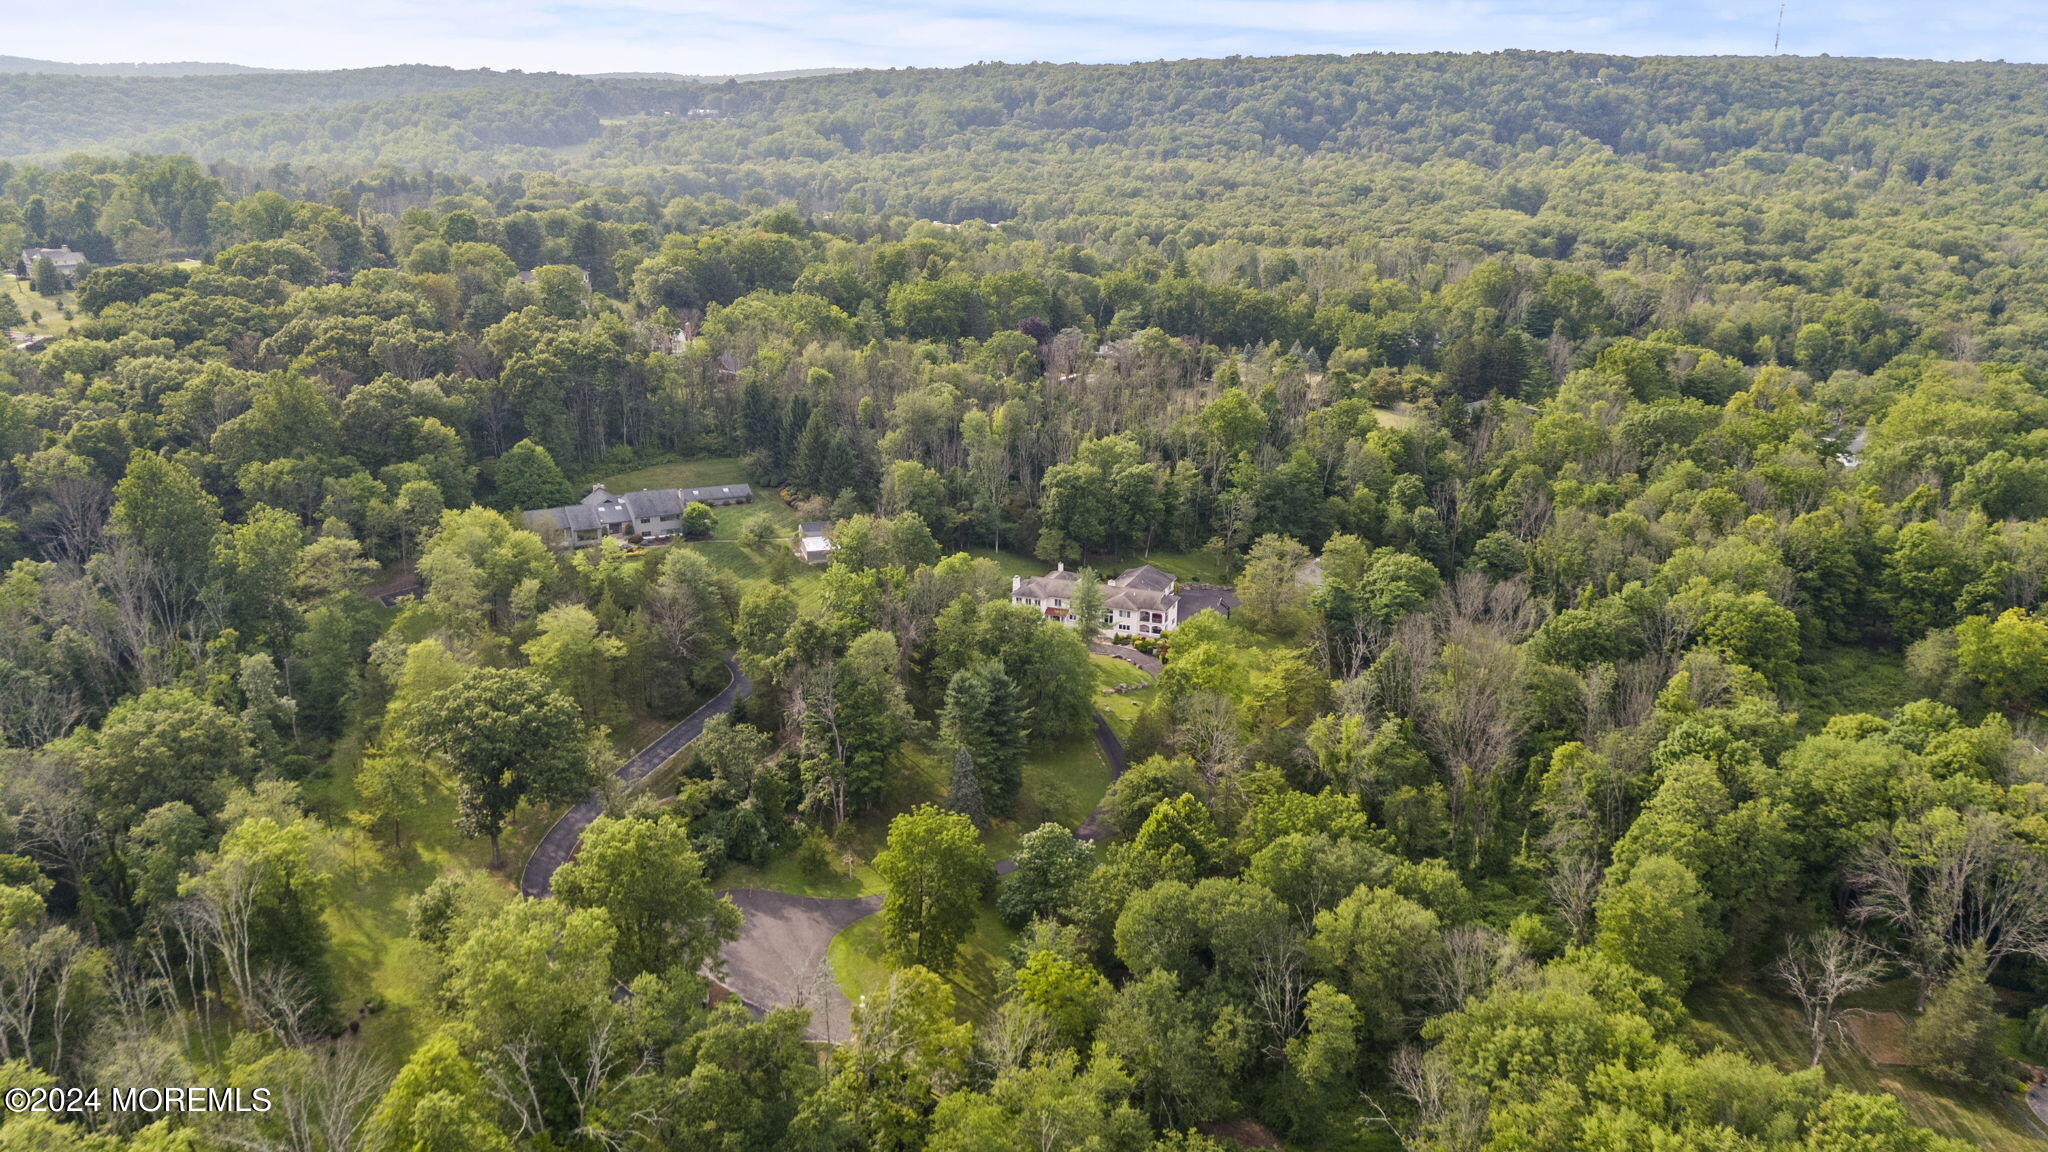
(759, 35)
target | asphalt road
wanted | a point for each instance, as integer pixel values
(555, 848)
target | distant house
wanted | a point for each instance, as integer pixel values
(648, 512)
(63, 259)
(814, 541)
(1142, 601)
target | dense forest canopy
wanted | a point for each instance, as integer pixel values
(1631, 475)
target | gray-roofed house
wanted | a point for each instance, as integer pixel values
(814, 541)
(1141, 601)
(62, 258)
(649, 512)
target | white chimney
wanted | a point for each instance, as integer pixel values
(1062, 566)
(1016, 582)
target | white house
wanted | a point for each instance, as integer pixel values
(1142, 601)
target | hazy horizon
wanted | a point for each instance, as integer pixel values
(693, 37)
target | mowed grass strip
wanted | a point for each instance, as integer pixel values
(1768, 1030)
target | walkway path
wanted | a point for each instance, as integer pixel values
(555, 848)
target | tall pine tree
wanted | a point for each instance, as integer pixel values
(964, 794)
(985, 716)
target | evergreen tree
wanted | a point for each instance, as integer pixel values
(1956, 1038)
(45, 278)
(963, 795)
(984, 715)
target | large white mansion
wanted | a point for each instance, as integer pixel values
(1142, 601)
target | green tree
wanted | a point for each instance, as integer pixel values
(698, 520)
(1956, 1037)
(164, 745)
(1087, 606)
(984, 716)
(45, 279)
(2007, 656)
(963, 790)
(907, 1052)
(1654, 921)
(436, 1103)
(1274, 587)
(171, 520)
(507, 737)
(643, 873)
(527, 478)
(1051, 862)
(935, 872)
(266, 888)
(578, 659)
(388, 790)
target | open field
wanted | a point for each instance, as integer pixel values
(1768, 1030)
(53, 322)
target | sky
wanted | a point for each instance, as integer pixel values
(702, 37)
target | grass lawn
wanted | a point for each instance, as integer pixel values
(861, 968)
(1768, 1030)
(1063, 782)
(1194, 567)
(1842, 680)
(782, 874)
(1121, 708)
(699, 473)
(53, 322)
(373, 955)
(1400, 415)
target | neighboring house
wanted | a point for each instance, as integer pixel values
(814, 541)
(1142, 601)
(648, 512)
(28, 341)
(63, 259)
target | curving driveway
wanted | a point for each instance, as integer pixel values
(780, 958)
(555, 848)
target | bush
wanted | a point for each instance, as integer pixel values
(814, 856)
(2034, 1039)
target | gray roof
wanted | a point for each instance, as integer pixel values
(814, 528)
(1051, 586)
(1140, 600)
(61, 257)
(1206, 597)
(574, 518)
(602, 509)
(717, 492)
(654, 503)
(1146, 577)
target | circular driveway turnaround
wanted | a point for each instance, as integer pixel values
(779, 959)
(555, 848)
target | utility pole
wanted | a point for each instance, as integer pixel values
(1780, 33)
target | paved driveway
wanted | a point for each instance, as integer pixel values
(555, 848)
(779, 959)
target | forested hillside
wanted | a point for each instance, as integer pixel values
(1630, 476)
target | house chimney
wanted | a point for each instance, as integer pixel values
(1062, 566)
(1016, 582)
